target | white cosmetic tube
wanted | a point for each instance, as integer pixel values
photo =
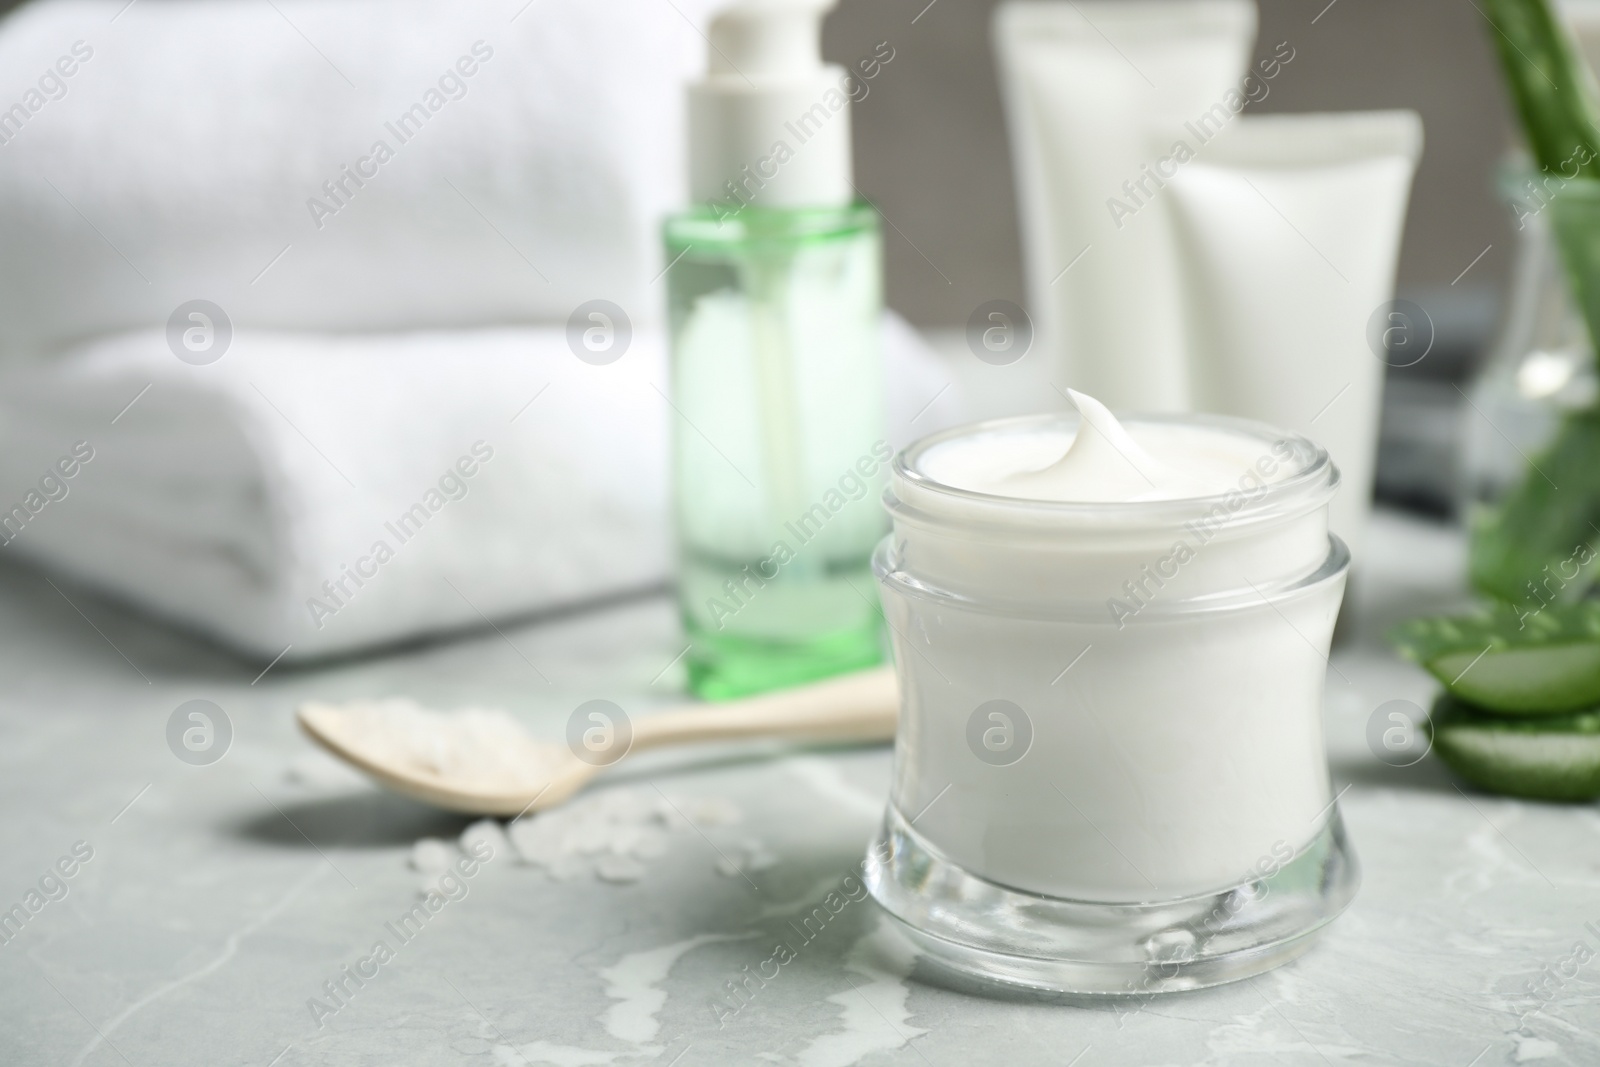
(1089, 86)
(1288, 231)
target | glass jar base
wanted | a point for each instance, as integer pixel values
(722, 666)
(977, 933)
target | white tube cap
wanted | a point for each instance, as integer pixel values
(769, 126)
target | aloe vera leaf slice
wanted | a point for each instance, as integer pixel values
(1526, 681)
(1548, 758)
(1512, 661)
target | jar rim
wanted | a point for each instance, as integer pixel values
(1334, 567)
(1309, 486)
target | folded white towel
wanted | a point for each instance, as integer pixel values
(323, 493)
(166, 151)
(249, 497)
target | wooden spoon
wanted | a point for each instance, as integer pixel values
(854, 707)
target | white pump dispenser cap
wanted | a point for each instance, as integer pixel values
(770, 117)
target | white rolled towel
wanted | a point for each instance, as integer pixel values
(335, 164)
(313, 494)
(333, 492)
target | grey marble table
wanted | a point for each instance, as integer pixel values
(217, 900)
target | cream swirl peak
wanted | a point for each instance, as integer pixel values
(1100, 462)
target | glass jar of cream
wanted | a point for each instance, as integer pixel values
(1112, 644)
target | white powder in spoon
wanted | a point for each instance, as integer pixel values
(483, 749)
(610, 835)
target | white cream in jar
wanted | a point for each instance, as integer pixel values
(1112, 641)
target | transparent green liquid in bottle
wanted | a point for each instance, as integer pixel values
(779, 448)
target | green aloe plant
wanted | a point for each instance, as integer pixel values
(1522, 676)
(1555, 508)
(1551, 87)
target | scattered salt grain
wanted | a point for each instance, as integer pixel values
(567, 868)
(619, 869)
(535, 840)
(611, 835)
(712, 812)
(484, 831)
(746, 857)
(625, 840)
(432, 856)
(651, 844)
(585, 839)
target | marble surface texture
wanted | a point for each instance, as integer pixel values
(219, 899)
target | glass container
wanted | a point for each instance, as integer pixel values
(1110, 774)
(779, 446)
(1541, 364)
